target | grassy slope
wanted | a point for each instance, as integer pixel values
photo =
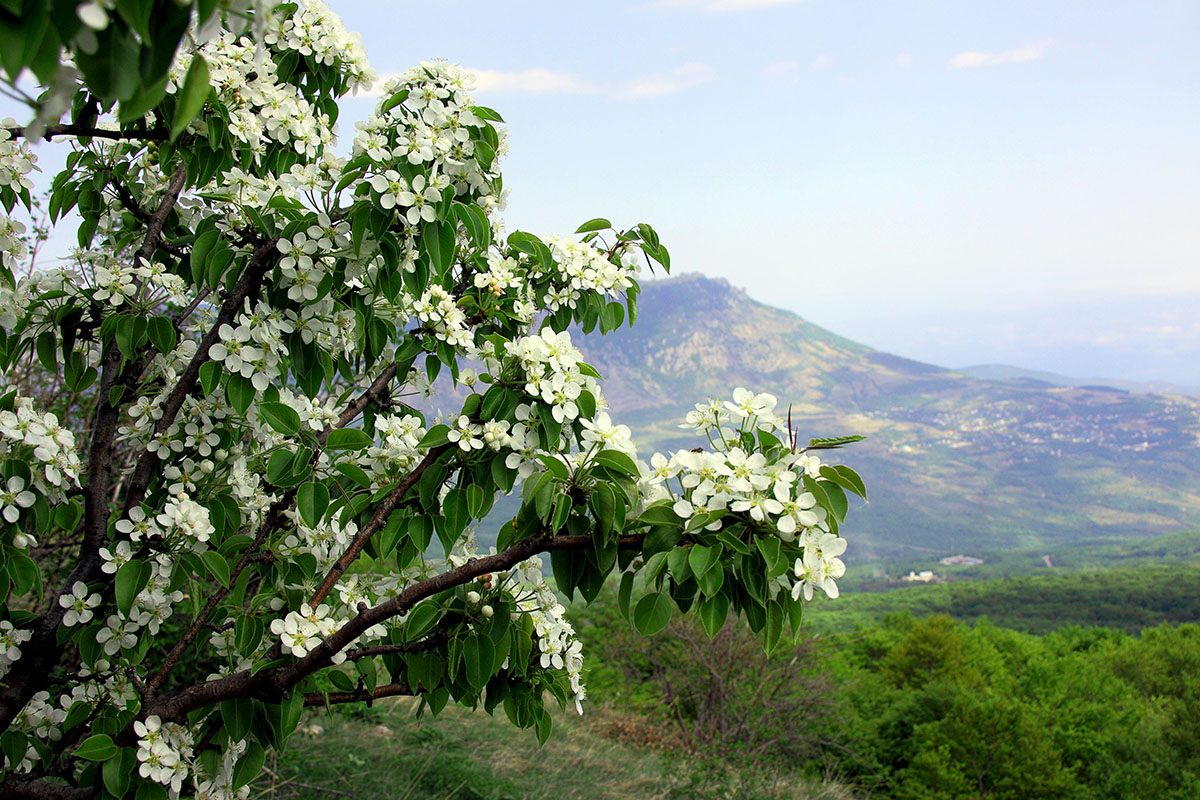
(383, 753)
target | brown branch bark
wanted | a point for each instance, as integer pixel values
(372, 394)
(43, 649)
(246, 285)
(272, 685)
(377, 521)
(22, 789)
(360, 695)
(84, 131)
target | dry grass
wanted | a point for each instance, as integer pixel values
(384, 753)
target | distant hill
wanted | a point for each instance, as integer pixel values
(1007, 372)
(954, 463)
(1126, 599)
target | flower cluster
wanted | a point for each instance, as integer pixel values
(552, 372)
(768, 487)
(164, 752)
(301, 631)
(558, 648)
(16, 159)
(12, 243)
(116, 281)
(429, 130)
(264, 109)
(438, 312)
(583, 268)
(52, 447)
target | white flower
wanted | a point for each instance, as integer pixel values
(466, 434)
(79, 605)
(14, 497)
(10, 640)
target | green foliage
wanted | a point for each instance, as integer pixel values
(1125, 599)
(933, 708)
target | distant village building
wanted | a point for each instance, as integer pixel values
(1046, 558)
(924, 576)
(962, 561)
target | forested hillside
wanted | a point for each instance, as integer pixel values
(953, 463)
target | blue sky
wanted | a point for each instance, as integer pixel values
(957, 182)
(953, 181)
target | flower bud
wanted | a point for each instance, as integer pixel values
(473, 597)
(487, 611)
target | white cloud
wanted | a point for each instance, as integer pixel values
(1030, 52)
(720, 6)
(545, 81)
(528, 81)
(679, 79)
(904, 60)
(822, 62)
(781, 68)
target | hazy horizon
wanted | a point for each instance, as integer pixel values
(959, 184)
(955, 183)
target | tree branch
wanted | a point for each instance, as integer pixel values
(43, 650)
(247, 284)
(359, 695)
(372, 394)
(84, 131)
(272, 685)
(377, 521)
(23, 789)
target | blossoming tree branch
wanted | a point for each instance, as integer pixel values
(229, 507)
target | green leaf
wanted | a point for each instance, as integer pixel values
(280, 416)
(354, 473)
(597, 224)
(702, 558)
(556, 467)
(483, 112)
(769, 546)
(437, 238)
(190, 99)
(712, 614)
(661, 512)
(162, 334)
(833, 442)
(131, 578)
(618, 461)
(846, 478)
(677, 563)
(312, 499)
(422, 619)
(625, 593)
(604, 506)
(434, 437)
(652, 613)
(478, 657)
(96, 748)
(348, 439)
(237, 714)
(837, 499)
(46, 346)
(240, 392)
(199, 256)
(210, 376)
(118, 771)
(217, 566)
(476, 223)
(249, 765)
